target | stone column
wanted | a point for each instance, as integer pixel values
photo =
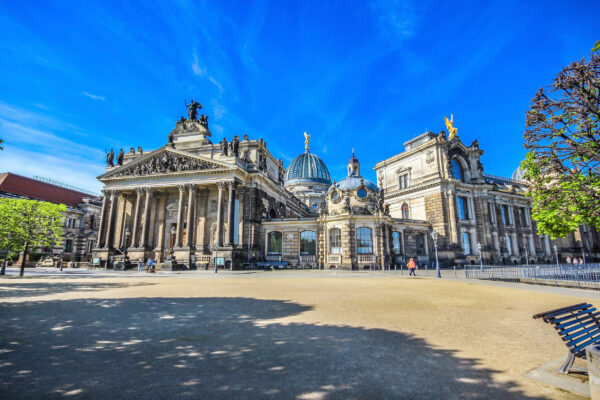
(144, 235)
(162, 205)
(200, 220)
(452, 216)
(102, 226)
(178, 238)
(121, 219)
(111, 219)
(230, 212)
(189, 237)
(136, 216)
(221, 186)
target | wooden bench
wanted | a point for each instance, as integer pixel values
(578, 326)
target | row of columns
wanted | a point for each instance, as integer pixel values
(107, 228)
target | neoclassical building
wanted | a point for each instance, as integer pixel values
(193, 204)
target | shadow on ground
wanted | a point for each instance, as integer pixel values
(27, 289)
(218, 348)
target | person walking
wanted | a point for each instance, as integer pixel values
(150, 264)
(140, 265)
(60, 264)
(412, 265)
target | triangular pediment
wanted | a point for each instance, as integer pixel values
(163, 162)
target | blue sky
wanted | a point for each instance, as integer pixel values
(79, 77)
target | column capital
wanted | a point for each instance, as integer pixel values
(221, 185)
(231, 184)
(139, 191)
(148, 190)
(181, 188)
(190, 186)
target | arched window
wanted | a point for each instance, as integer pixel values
(364, 241)
(405, 214)
(457, 170)
(396, 243)
(274, 241)
(308, 243)
(335, 241)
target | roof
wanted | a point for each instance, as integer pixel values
(353, 182)
(307, 167)
(36, 190)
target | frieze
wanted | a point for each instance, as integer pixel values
(164, 163)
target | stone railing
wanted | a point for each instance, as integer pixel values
(308, 259)
(334, 258)
(202, 259)
(366, 259)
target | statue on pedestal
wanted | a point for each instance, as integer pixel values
(204, 120)
(120, 157)
(224, 147)
(110, 158)
(452, 131)
(235, 146)
(193, 108)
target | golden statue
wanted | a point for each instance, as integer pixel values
(451, 129)
(306, 139)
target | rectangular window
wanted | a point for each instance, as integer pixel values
(466, 237)
(335, 241)
(420, 243)
(463, 207)
(505, 215)
(308, 243)
(274, 242)
(522, 216)
(364, 242)
(68, 246)
(403, 184)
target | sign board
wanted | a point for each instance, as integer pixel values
(96, 260)
(220, 261)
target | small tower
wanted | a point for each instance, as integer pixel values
(353, 166)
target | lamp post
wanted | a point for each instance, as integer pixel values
(480, 258)
(173, 232)
(556, 253)
(434, 236)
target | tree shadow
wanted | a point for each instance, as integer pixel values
(219, 348)
(35, 289)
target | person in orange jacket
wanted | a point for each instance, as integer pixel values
(412, 265)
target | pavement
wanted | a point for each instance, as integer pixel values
(305, 334)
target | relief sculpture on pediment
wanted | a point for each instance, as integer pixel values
(165, 163)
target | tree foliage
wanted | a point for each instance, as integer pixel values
(563, 138)
(29, 224)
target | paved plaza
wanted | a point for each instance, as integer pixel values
(278, 334)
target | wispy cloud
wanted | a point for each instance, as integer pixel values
(197, 68)
(93, 96)
(397, 17)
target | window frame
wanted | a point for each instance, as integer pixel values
(397, 239)
(305, 241)
(465, 215)
(337, 232)
(456, 165)
(405, 211)
(467, 245)
(361, 237)
(270, 243)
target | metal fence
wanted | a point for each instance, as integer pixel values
(568, 275)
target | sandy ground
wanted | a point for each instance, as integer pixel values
(274, 335)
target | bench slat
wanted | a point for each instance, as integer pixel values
(587, 319)
(573, 331)
(586, 344)
(579, 313)
(560, 310)
(575, 337)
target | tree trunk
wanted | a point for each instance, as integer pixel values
(24, 258)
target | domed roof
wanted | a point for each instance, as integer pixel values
(307, 168)
(353, 182)
(518, 174)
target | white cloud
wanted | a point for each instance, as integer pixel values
(197, 68)
(93, 96)
(397, 17)
(219, 110)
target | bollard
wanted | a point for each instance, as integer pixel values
(592, 354)
(455, 272)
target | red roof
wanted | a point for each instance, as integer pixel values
(38, 190)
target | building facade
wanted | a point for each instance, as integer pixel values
(193, 203)
(82, 217)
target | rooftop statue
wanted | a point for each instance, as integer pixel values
(193, 108)
(120, 157)
(204, 120)
(110, 158)
(306, 139)
(451, 129)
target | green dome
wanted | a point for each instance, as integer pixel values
(307, 168)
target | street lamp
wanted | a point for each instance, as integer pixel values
(434, 236)
(556, 253)
(480, 258)
(173, 232)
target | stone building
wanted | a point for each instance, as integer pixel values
(81, 218)
(193, 203)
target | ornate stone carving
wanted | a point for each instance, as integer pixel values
(164, 163)
(429, 157)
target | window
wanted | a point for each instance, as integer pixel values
(457, 170)
(522, 216)
(362, 193)
(308, 243)
(90, 246)
(68, 246)
(274, 241)
(364, 242)
(213, 206)
(420, 242)
(509, 245)
(403, 181)
(335, 241)
(314, 206)
(396, 243)
(463, 207)
(92, 222)
(505, 215)
(466, 238)
(405, 214)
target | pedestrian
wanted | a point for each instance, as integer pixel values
(150, 264)
(412, 265)
(140, 265)
(575, 261)
(70, 264)
(60, 262)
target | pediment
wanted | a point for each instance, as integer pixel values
(162, 162)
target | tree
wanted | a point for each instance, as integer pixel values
(29, 224)
(563, 138)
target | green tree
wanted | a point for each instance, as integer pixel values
(563, 138)
(29, 224)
